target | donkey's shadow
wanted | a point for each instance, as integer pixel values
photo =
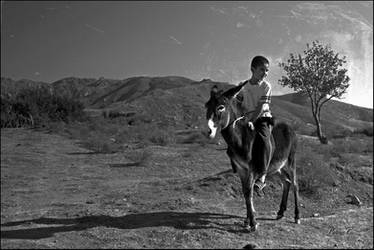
(178, 220)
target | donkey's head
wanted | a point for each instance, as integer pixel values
(219, 111)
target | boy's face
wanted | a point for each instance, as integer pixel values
(260, 72)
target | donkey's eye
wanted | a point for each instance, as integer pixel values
(221, 108)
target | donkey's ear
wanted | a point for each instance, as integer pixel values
(233, 92)
(214, 90)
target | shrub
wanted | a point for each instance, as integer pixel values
(157, 135)
(38, 106)
(15, 114)
(100, 144)
(313, 173)
(353, 145)
(141, 158)
(368, 131)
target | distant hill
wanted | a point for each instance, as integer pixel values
(132, 88)
(179, 101)
(10, 86)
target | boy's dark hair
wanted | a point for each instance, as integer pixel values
(259, 60)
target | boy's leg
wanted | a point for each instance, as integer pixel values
(261, 152)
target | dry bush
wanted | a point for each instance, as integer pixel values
(152, 133)
(109, 135)
(352, 145)
(100, 145)
(161, 137)
(140, 157)
(368, 131)
(313, 172)
(37, 106)
(200, 138)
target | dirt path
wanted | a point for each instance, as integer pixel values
(55, 194)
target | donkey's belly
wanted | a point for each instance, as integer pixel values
(276, 166)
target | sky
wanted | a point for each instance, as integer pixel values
(50, 40)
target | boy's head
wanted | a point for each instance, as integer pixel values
(259, 67)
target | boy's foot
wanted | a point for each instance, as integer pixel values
(259, 185)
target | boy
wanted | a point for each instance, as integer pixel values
(255, 98)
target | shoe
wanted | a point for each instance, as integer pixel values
(259, 185)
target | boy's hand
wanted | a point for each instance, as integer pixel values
(251, 126)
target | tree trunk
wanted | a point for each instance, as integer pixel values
(320, 135)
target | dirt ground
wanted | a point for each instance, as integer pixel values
(55, 194)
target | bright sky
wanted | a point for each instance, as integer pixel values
(50, 40)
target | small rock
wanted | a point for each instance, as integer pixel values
(354, 200)
(250, 246)
(315, 214)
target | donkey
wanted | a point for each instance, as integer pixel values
(223, 115)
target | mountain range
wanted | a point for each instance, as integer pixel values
(179, 101)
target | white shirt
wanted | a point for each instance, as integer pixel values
(251, 96)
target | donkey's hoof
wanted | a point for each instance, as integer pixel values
(297, 221)
(279, 216)
(251, 229)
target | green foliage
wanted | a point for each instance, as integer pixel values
(319, 74)
(38, 106)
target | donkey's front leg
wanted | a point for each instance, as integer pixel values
(247, 185)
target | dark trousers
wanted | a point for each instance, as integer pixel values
(261, 149)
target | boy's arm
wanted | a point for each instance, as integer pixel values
(257, 113)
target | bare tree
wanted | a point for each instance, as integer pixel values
(319, 74)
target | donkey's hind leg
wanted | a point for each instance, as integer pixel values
(295, 191)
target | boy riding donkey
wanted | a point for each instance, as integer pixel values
(254, 99)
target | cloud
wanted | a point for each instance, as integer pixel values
(330, 14)
(259, 22)
(315, 12)
(217, 10)
(298, 38)
(94, 28)
(242, 25)
(243, 8)
(363, 24)
(175, 40)
(239, 25)
(288, 30)
(350, 34)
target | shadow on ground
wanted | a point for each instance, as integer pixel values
(89, 153)
(178, 220)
